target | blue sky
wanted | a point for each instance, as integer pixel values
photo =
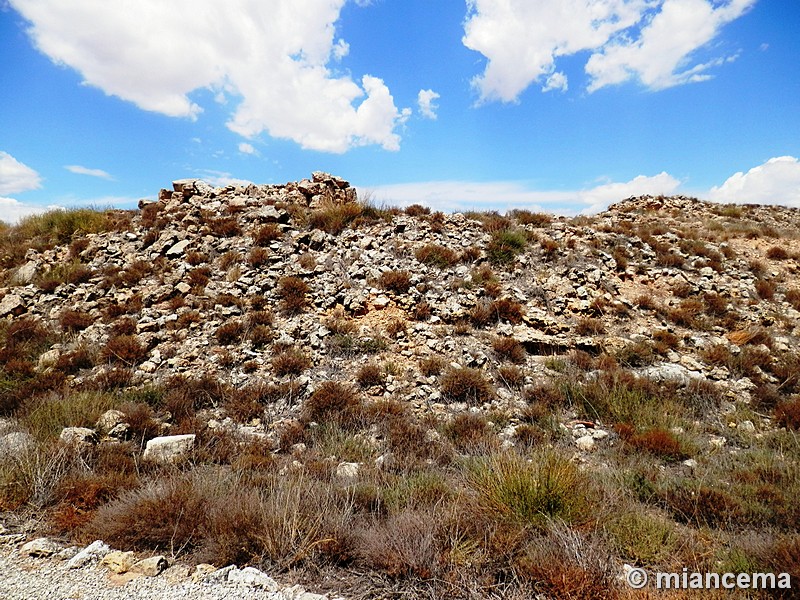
(563, 106)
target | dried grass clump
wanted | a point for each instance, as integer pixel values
(417, 210)
(258, 257)
(198, 278)
(509, 349)
(466, 385)
(792, 296)
(432, 366)
(370, 375)
(292, 292)
(334, 402)
(436, 255)
(395, 281)
(225, 226)
(526, 217)
(75, 320)
(787, 414)
(333, 218)
(471, 433)
(657, 441)
(590, 326)
(229, 333)
(266, 234)
(777, 253)
(126, 349)
(422, 311)
(765, 289)
(290, 361)
(486, 312)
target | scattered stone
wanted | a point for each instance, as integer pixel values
(12, 304)
(93, 553)
(41, 548)
(150, 567)
(348, 471)
(16, 444)
(252, 577)
(168, 449)
(78, 436)
(585, 443)
(118, 561)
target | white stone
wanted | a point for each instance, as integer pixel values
(252, 577)
(348, 471)
(150, 567)
(168, 448)
(15, 443)
(78, 436)
(11, 304)
(179, 248)
(585, 443)
(91, 554)
(40, 548)
(118, 561)
(747, 427)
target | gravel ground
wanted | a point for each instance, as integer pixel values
(25, 578)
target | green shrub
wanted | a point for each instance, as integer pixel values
(505, 245)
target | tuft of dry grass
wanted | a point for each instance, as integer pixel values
(293, 294)
(436, 255)
(466, 385)
(395, 281)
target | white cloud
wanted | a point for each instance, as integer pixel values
(221, 178)
(556, 81)
(246, 148)
(659, 58)
(776, 181)
(78, 170)
(16, 177)
(522, 38)
(12, 210)
(426, 101)
(651, 40)
(272, 57)
(505, 195)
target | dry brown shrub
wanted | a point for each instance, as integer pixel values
(512, 376)
(417, 210)
(396, 326)
(125, 349)
(75, 320)
(370, 375)
(258, 257)
(765, 289)
(590, 326)
(290, 361)
(777, 253)
(646, 302)
(266, 234)
(199, 277)
(196, 258)
(471, 433)
(792, 296)
(787, 414)
(225, 226)
(466, 385)
(395, 281)
(334, 402)
(509, 349)
(657, 441)
(432, 365)
(292, 292)
(230, 332)
(436, 255)
(422, 311)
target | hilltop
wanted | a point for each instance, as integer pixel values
(464, 404)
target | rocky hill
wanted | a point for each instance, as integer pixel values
(408, 361)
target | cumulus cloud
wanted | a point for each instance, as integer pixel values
(16, 177)
(246, 148)
(79, 170)
(271, 57)
(659, 58)
(426, 101)
(12, 210)
(221, 178)
(651, 40)
(776, 181)
(505, 195)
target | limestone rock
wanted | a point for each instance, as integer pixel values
(78, 436)
(169, 448)
(93, 553)
(118, 561)
(150, 567)
(12, 304)
(40, 548)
